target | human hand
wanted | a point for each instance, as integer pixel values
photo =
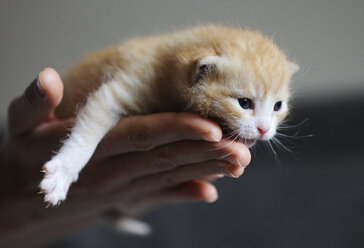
(143, 161)
(32, 133)
(160, 158)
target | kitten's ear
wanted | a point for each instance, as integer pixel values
(204, 68)
(294, 67)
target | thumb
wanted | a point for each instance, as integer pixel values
(41, 97)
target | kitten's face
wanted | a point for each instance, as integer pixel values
(247, 96)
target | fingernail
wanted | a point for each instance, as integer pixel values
(40, 88)
(238, 172)
(234, 171)
(232, 175)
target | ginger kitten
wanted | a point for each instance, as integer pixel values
(239, 78)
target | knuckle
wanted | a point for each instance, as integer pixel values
(221, 152)
(187, 122)
(212, 167)
(227, 168)
(168, 179)
(205, 168)
(140, 137)
(163, 159)
(13, 110)
(210, 152)
(180, 117)
(221, 166)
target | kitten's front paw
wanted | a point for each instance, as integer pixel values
(55, 183)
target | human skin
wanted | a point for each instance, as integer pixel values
(142, 163)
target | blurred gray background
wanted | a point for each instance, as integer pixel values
(325, 37)
(313, 198)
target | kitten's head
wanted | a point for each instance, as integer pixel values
(244, 85)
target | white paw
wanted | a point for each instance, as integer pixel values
(55, 183)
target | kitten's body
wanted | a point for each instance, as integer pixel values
(209, 70)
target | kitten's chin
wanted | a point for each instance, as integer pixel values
(249, 142)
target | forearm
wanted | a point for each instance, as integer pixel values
(25, 221)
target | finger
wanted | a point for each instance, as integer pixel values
(142, 133)
(194, 190)
(48, 135)
(169, 157)
(179, 175)
(38, 100)
(53, 128)
(212, 178)
(191, 191)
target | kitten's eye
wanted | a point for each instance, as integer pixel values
(277, 106)
(246, 103)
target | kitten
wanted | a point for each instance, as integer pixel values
(237, 77)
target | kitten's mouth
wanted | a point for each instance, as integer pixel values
(248, 142)
(227, 131)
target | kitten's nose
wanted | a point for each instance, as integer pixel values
(262, 131)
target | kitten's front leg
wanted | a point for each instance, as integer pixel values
(95, 119)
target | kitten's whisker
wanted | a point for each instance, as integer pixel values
(253, 150)
(226, 145)
(232, 134)
(268, 148)
(272, 149)
(226, 155)
(278, 143)
(274, 152)
(285, 137)
(284, 126)
(293, 136)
